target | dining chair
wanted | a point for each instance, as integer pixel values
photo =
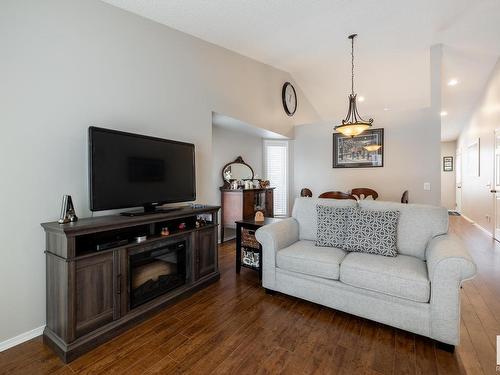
(404, 197)
(305, 192)
(336, 195)
(363, 193)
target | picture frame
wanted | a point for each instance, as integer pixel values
(349, 152)
(447, 163)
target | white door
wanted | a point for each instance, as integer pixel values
(496, 184)
(458, 180)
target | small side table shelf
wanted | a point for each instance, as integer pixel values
(248, 249)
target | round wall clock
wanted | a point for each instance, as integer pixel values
(289, 97)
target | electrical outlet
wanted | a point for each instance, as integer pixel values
(427, 186)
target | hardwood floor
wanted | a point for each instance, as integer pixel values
(234, 327)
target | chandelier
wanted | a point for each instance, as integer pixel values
(353, 124)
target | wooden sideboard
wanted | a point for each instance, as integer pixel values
(242, 204)
(90, 295)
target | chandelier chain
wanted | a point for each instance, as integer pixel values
(352, 66)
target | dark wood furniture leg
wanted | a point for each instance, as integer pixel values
(446, 347)
(238, 248)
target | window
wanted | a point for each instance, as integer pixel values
(276, 171)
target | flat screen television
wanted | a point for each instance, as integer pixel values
(131, 170)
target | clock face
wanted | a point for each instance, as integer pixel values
(289, 98)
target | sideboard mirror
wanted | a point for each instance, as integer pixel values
(237, 170)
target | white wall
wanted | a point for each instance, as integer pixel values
(477, 200)
(411, 157)
(448, 178)
(227, 145)
(68, 64)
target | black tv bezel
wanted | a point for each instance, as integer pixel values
(134, 135)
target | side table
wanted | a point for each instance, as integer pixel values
(248, 249)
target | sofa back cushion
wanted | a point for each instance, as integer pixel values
(418, 224)
(304, 211)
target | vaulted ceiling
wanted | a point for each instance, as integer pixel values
(308, 39)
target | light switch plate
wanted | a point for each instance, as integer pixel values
(427, 186)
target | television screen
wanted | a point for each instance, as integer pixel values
(130, 170)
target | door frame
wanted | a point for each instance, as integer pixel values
(458, 173)
(494, 187)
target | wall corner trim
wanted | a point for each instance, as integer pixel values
(19, 339)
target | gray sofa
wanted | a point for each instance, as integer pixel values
(417, 291)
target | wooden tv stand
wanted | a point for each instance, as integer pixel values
(89, 298)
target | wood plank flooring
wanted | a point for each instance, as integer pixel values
(233, 327)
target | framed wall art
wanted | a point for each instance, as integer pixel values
(447, 163)
(362, 151)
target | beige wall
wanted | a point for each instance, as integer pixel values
(411, 157)
(477, 200)
(69, 64)
(448, 178)
(227, 145)
(411, 152)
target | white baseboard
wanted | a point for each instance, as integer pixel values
(478, 226)
(484, 230)
(468, 219)
(19, 339)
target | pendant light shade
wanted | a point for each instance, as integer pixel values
(372, 148)
(353, 124)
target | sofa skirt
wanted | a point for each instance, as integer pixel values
(393, 311)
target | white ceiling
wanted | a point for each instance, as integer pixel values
(472, 72)
(308, 39)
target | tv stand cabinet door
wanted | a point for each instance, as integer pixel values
(205, 252)
(97, 283)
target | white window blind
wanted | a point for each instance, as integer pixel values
(276, 171)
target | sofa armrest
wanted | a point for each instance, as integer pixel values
(274, 237)
(448, 264)
(448, 258)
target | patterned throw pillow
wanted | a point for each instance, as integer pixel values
(332, 225)
(370, 231)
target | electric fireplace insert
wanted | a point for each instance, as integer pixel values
(155, 272)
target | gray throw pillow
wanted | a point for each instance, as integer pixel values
(371, 231)
(332, 225)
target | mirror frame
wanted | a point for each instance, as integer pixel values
(238, 160)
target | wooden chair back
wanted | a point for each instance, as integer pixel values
(404, 197)
(306, 193)
(363, 193)
(336, 195)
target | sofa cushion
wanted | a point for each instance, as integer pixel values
(370, 231)
(304, 257)
(332, 225)
(402, 276)
(418, 224)
(304, 211)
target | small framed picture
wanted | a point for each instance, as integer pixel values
(448, 164)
